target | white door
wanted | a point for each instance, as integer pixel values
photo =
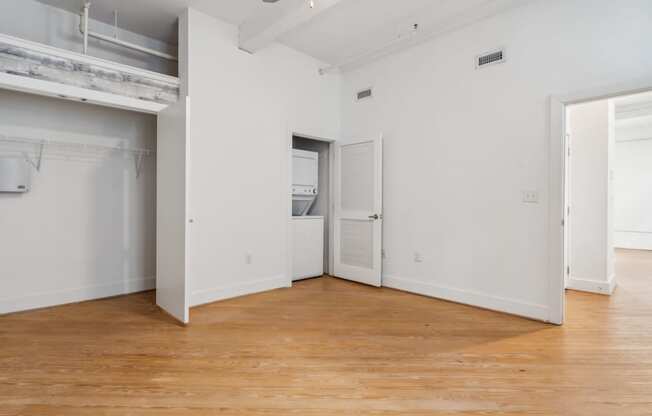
(358, 213)
(172, 286)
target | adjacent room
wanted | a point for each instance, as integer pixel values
(608, 258)
(607, 188)
(325, 207)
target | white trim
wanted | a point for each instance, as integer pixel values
(633, 240)
(202, 297)
(81, 294)
(87, 59)
(467, 297)
(556, 161)
(58, 90)
(593, 286)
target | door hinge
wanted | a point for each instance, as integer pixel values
(568, 146)
(568, 270)
(563, 223)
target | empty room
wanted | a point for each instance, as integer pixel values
(325, 207)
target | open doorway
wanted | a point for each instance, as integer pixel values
(608, 202)
(311, 207)
(335, 223)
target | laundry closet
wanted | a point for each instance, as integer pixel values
(311, 206)
(336, 221)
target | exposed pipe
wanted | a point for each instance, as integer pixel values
(87, 33)
(133, 46)
(84, 26)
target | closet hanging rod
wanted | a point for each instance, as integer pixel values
(83, 28)
(76, 146)
(136, 154)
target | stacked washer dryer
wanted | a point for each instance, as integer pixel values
(308, 230)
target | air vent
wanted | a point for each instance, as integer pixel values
(490, 58)
(364, 94)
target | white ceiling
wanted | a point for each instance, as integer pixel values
(359, 27)
(349, 30)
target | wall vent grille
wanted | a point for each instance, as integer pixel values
(490, 58)
(364, 94)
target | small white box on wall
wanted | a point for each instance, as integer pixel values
(15, 175)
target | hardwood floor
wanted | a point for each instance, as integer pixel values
(330, 347)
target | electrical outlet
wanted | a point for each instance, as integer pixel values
(531, 197)
(248, 258)
(418, 258)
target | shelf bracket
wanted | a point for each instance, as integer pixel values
(36, 162)
(138, 160)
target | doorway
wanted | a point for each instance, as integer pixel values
(562, 159)
(335, 215)
(312, 206)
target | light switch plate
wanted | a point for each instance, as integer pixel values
(531, 197)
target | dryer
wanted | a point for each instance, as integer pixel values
(305, 181)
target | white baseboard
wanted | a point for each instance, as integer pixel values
(202, 297)
(467, 297)
(635, 240)
(593, 286)
(62, 297)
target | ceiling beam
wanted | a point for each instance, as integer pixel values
(278, 19)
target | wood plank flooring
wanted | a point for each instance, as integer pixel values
(330, 347)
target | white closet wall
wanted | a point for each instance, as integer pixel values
(244, 108)
(87, 228)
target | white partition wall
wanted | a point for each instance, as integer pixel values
(244, 108)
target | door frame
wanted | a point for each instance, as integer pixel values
(288, 190)
(557, 186)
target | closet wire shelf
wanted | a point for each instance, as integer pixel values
(34, 150)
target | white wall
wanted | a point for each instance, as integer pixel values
(462, 144)
(633, 187)
(590, 126)
(87, 228)
(243, 108)
(38, 22)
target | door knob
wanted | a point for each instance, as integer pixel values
(374, 217)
